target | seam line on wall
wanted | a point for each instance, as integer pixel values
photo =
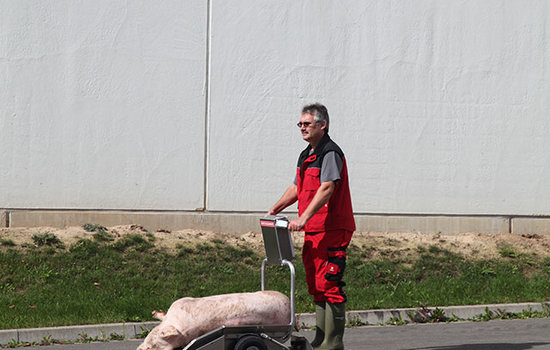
(208, 65)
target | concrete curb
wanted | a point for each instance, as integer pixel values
(74, 333)
(377, 317)
(384, 316)
(305, 320)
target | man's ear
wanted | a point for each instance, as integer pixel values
(168, 332)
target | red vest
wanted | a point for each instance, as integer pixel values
(337, 213)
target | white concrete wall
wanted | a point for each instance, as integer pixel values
(442, 107)
(102, 104)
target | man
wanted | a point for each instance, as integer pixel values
(321, 188)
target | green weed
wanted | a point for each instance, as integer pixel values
(7, 242)
(94, 228)
(103, 236)
(508, 252)
(135, 241)
(47, 239)
(397, 321)
(355, 322)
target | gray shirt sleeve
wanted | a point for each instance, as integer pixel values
(331, 167)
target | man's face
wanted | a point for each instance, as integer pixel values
(312, 132)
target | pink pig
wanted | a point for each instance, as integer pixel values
(189, 318)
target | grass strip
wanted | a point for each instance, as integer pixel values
(107, 280)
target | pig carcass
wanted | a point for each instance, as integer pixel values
(189, 318)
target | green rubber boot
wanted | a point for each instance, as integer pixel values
(335, 324)
(320, 324)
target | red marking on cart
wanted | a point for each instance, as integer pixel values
(266, 223)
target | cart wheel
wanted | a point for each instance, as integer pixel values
(250, 342)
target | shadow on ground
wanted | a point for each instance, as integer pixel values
(488, 346)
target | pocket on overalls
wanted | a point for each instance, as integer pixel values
(336, 264)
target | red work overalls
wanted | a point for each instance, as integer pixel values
(329, 231)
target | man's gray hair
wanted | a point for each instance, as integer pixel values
(319, 113)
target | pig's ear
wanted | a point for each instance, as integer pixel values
(168, 332)
(159, 315)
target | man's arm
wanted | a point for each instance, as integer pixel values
(321, 198)
(289, 197)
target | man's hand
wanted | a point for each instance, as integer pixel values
(296, 224)
(321, 198)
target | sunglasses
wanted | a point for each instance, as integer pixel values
(306, 124)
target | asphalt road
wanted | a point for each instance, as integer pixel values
(499, 335)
